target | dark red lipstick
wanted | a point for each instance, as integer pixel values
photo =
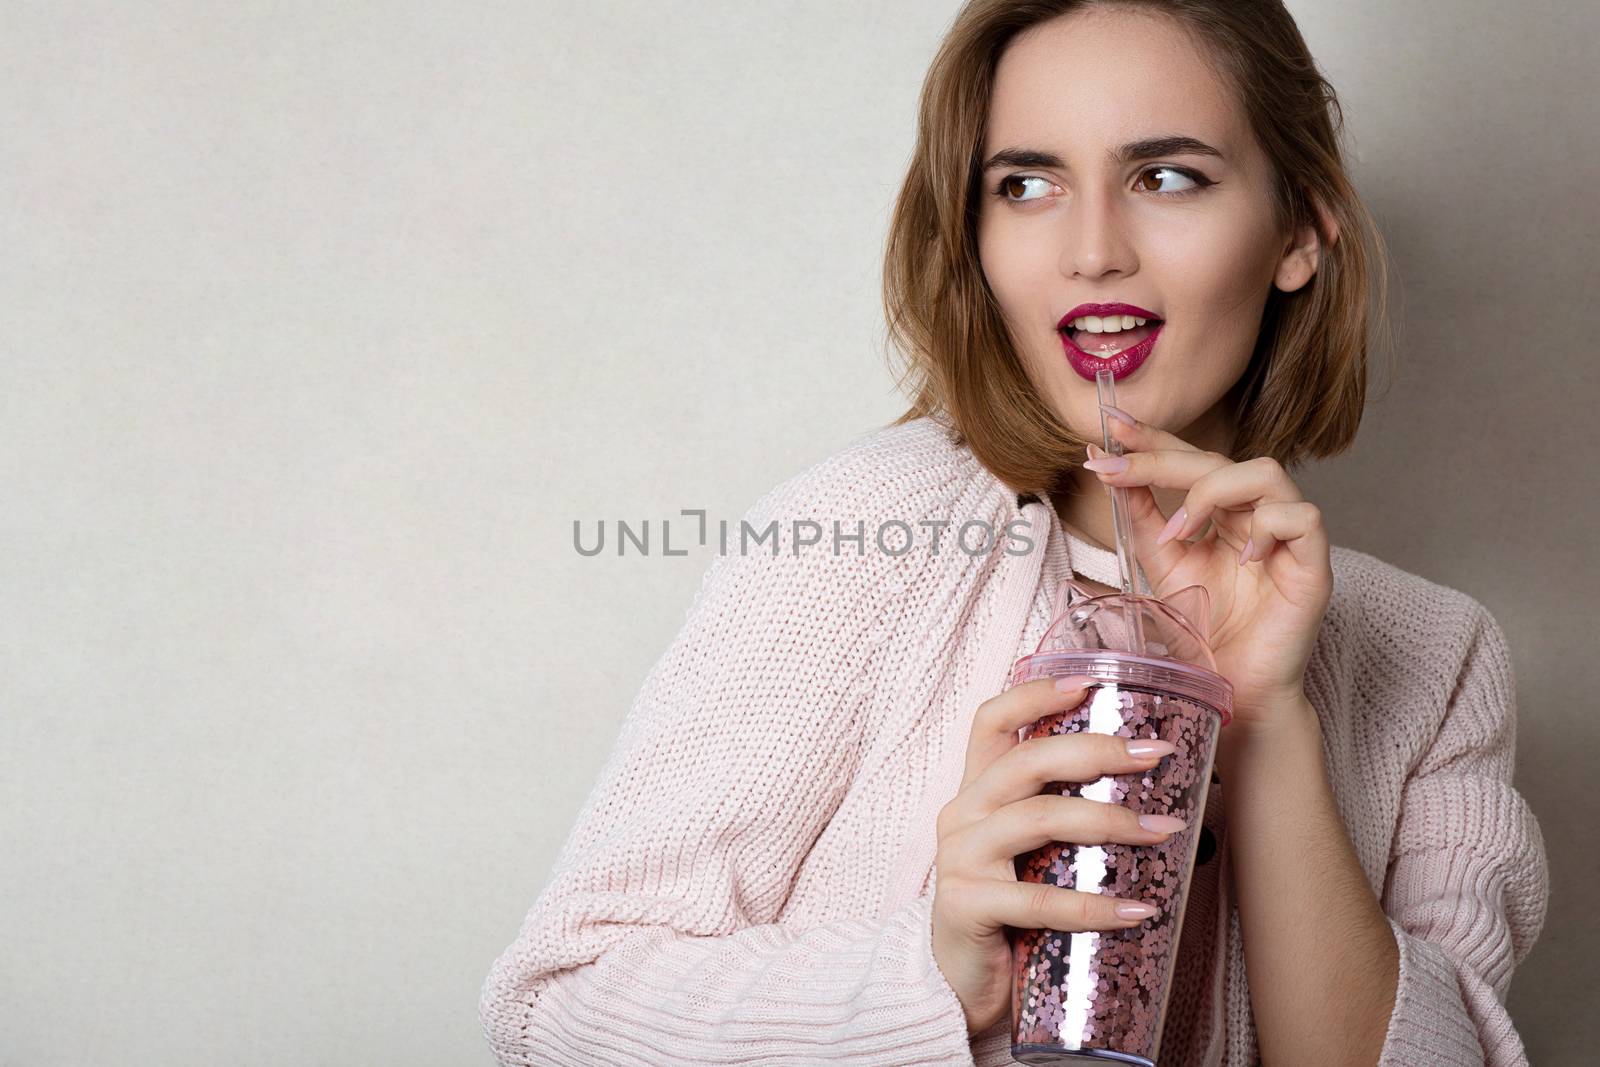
(1089, 352)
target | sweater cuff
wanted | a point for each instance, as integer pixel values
(1430, 1025)
(950, 1017)
(852, 991)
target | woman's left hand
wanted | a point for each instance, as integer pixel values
(1265, 612)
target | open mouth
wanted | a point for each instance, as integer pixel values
(1104, 337)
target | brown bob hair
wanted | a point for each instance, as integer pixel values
(1303, 392)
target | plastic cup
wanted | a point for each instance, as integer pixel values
(1100, 996)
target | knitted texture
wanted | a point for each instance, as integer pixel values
(751, 878)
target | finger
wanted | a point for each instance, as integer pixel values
(1237, 487)
(1164, 468)
(1146, 523)
(986, 905)
(1297, 526)
(1044, 818)
(998, 719)
(1028, 767)
(1141, 435)
(1155, 539)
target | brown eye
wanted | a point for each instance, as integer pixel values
(1004, 187)
(1163, 185)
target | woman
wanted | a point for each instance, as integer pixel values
(802, 849)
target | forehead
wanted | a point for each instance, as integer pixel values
(1105, 75)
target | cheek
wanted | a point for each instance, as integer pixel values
(1215, 275)
(1007, 260)
(1220, 270)
(1017, 269)
(1215, 266)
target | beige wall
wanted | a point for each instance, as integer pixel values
(323, 322)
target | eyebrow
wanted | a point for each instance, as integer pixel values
(1149, 148)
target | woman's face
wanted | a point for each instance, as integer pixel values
(1186, 235)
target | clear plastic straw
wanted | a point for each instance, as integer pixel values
(1127, 562)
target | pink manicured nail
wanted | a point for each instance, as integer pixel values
(1133, 910)
(1072, 681)
(1150, 746)
(1244, 553)
(1161, 824)
(1118, 413)
(1107, 464)
(1174, 524)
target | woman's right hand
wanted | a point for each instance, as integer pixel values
(999, 813)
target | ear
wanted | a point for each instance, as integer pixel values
(1301, 254)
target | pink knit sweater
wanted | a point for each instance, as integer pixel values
(750, 881)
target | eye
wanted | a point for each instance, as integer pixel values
(1004, 188)
(1196, 181)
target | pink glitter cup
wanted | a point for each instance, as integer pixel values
(1099, 996)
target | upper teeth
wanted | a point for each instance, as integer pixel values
(1108, 324)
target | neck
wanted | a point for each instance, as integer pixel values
(1085, 507)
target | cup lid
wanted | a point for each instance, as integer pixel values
(1175, 631)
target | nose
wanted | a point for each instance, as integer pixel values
(1096, 242)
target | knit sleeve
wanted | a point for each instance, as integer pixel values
(658, 938)
(1468, 881)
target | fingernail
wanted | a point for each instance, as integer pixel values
(1072, 681)
(1162, 824)
(1145, 747)
(1130, 910)
(1174, 524)
(1119, 414)
(1107, 464)
(1244, 553)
